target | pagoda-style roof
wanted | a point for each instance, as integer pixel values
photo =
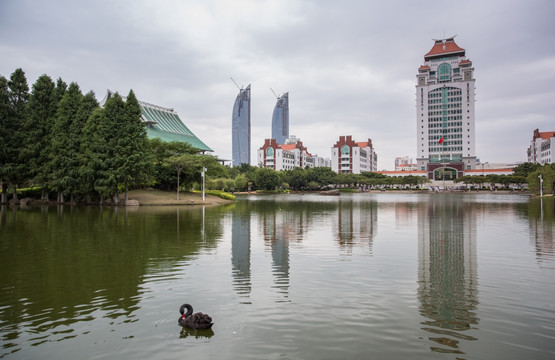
(165, 124)
(444, 47)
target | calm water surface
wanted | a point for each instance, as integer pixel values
(396, 276)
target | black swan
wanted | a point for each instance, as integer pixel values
(194, 321)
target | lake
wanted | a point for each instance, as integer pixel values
(358, 276)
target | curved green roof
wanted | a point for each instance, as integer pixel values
(165, 124)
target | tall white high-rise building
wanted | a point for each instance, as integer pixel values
(280, 119)
(445, 112)
(241, 128)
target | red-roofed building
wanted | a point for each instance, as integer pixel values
(349, 156)
(443, 48)
(287, 156)
(445, 90)
(542, 147)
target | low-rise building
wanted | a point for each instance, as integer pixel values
(349, 156)
(542, 146)
(287, 156)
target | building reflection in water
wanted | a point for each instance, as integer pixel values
(279, 229)
(355, 225)
(447, 273)
(542, 229)
(241, 252)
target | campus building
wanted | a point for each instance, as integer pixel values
(349, 156)
(445, 112)
(165, 124)
(542, 147)
(241, 128)
(287, 156)
(404, 164)
(280, 119)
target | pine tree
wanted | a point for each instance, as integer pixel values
(64, 158)
(4, 113)
(86, 108)
(135, 164)
(42, 114)
(59, 92)
(111, 130)
(18, 94)
(94, 154)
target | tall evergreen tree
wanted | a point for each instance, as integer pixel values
(41, 116)
(18, 94)
(94, 154)
(4, 113)
(59, 92)
(111, 129)
(86, 108)
(64, 161)
(135, 165)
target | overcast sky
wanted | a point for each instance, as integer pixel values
(349, 66)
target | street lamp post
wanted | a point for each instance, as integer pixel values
(203, 174)
(541, 185)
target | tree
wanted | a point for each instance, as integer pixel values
(110, 129)
(266, 178)
(14, 167)
(94, 153)
(86, 108)
(4, 136)
(525, 168)
(178, 163)
(296, 178)
(66, 133)
(547, 174)
(42, 115)
(410, 180)
(161, 150)
(134, 161)
(240, 182)
(322, 175)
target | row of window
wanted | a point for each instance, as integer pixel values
(440, 119)
(448, 100)
(444, 106)
(445, 143)
(444, 112)
(448, 91)
(455, 133)
(446, 148)
(450, 124)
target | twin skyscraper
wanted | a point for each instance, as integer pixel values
(241, 125)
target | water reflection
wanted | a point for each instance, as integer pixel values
(280, 227)
(447, 273)
(67, 265)
(103, 276)
(241, 250)
(197, 334)
(355, 224)
(540, 213)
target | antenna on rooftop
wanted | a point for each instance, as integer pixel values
(277, 97)
(240, 88)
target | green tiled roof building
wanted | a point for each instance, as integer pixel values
(165, 124)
